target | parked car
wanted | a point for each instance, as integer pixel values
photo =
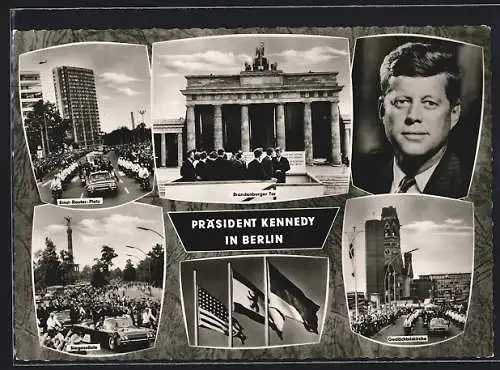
(439, 326)
(116, 333)
(101, 182)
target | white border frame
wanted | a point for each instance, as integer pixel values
(84, 207)
(480, 129)
(422, 196)
(325, 309)
(160, 209)
(336, 209)
(262, 35)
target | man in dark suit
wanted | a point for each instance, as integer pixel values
(201, 167)
(188, 172)
(238, 166)
(222, 166)
(419, 107)
(267, 163)
(255, 170)
(210, 173)
(281, 166)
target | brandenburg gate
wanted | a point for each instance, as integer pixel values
(264, 107)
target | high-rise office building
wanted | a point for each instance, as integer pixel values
(30, 88)
(449, 287)
(77, 100)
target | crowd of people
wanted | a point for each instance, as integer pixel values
(141, 154)
(136, 161)
(457, 318)
(55, 162)
(221, 166)
(372, 321)
(90, 304)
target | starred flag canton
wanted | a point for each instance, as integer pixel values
(213, 311)
(215, 316)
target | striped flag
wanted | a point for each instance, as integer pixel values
(249, 300)
(215, 316)
(287, 298)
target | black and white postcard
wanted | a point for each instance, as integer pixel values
(224, 300)
(418, 110)
(85, 108)
(98, 278)
(251, 118)
(407, 262)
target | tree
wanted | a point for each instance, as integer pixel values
(157, 258)
(142, 270)
(86, 273)
(98, 278)
(101, 268)
(107, 256)
(129, 273)
(117, 273)
(47, 266)
(124, 135)
(46, 128)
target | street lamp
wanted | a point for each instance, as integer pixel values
(148, 229)
(352, 256)
(146, 255)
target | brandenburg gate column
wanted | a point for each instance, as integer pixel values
(218, 142)
(190, 128)
(280, 126)
(335, 133)
(164, 149)
(245, 129)
(308, 143)
(347, 139)
(179, 149)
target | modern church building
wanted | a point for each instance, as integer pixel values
(389, 273)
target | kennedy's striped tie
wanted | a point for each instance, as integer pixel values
(406, 184)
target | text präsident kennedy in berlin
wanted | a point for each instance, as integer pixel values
(419, 106)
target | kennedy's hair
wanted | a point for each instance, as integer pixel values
(416, 59)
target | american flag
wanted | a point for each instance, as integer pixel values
(215, 316)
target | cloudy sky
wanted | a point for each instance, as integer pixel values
(115, 227)
(441, 228)
(172, 60)
(121, 72)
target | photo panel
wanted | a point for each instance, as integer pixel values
(251, 118)
(235, 287)
(418, 105)
(98, 278)
(86, 115)
(407, 264)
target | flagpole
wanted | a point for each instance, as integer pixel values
(195, 305)
(266, 303)
(230, 304)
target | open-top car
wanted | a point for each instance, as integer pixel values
(101, 182)
(64, 317)
(438, 326)
(116, 333)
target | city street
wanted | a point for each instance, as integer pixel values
(418, 329)
(128, 188)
